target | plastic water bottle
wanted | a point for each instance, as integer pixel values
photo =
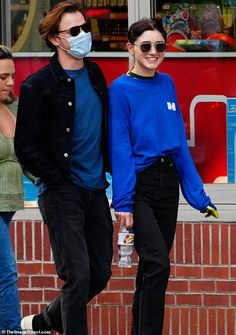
(125, 247)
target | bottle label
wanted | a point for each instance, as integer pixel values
(125, 238)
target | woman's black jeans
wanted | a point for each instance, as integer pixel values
(155, 215)
(80, 232)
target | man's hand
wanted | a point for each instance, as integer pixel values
(125, 219)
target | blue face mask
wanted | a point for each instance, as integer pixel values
(80, 45)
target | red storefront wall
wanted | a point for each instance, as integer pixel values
(202, 78)
(201, 295)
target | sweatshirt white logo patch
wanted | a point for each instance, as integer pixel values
(171, 106)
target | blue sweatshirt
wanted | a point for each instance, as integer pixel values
(145, 123)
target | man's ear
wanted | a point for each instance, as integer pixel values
(53, 39)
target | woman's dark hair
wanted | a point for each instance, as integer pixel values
(5, 53)
(50, 22)
(138, 28)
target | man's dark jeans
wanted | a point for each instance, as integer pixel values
(80, 231)
(155, 215)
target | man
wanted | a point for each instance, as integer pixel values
(61, 139)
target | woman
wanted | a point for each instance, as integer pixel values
(150, 158)
(11, 195)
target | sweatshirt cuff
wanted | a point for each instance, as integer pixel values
(203, 210)
(126, 208)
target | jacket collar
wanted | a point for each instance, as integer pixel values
(57, 70)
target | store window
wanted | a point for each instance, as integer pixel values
(109, 24)
(199, 26)
(201, 37)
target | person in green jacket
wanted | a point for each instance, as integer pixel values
(11, 195)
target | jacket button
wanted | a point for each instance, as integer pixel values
(66, 155)
(70, 103)
(69, 80)
(67, 130)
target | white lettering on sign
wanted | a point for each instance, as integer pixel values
(232, 109)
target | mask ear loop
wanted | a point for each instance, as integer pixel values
(60, 45)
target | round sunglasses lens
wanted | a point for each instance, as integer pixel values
(86, 27)
(74, 31)
(160, 47)
(145, 47)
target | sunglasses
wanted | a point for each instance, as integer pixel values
(159, 46)
(74, 31)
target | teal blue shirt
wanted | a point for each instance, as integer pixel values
(87, 160)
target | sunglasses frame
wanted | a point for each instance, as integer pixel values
(150, 46)
(75, 31)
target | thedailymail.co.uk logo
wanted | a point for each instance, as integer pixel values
(171, 106)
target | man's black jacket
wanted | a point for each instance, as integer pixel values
(45, 118)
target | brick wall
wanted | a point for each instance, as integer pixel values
(201, 296)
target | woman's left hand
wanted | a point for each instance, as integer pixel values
(211, 210)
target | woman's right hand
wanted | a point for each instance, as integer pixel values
(125, 219)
